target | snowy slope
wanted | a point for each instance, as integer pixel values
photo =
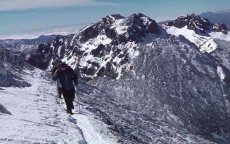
(220, 36)
(206, 43)
(36, 115)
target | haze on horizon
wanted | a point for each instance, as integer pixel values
(25, 16)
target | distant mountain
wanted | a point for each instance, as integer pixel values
(11, 65)
(199, 31)
(12, 59)
(151, 83)
(218, 17)
(25, 45)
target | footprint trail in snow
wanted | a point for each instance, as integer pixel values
(38, 116)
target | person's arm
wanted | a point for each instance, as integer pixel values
(53, 70)
(55, 75)
(74, 76)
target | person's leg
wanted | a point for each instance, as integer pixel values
(72, 96)
(69, 103)
(59, 92)
(65, 94)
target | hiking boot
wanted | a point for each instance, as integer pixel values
(70, 112)
(72, 107)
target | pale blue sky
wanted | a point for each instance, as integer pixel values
(19, 16)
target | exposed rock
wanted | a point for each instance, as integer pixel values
(198, 24)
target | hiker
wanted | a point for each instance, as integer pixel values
(55, 63)
(67, 78)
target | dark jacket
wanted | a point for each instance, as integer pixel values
(66, 77)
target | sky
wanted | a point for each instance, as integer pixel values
(18, 17)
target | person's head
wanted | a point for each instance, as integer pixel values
(56, 62)
(62, 66)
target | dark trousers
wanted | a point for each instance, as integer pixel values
(69, 97)
(59, 91)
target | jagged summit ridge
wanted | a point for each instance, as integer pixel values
(199, 31)
(198, 24)
(108, 47)
(121, 29)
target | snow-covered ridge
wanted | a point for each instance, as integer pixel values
(199, 31)
(198, 24)
(205, 43)
(220, 35)
(36, 115)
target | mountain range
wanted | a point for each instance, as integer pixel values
(218, 17)
(151, 83)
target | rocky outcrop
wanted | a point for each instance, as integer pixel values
(198, 24)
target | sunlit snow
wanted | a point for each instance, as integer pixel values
(206, 44)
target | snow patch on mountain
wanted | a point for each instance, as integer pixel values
(205, 43)
(93, 43)
(91, 58)
(120, 26)
(220, 35)
(220, 72)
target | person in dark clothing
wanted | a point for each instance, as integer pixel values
(55, 63)
(67, 78)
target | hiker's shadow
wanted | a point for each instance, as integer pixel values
(3, 110)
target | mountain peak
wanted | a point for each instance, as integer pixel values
(114, 17)
(193, 22)
(139, 18)
(120, 29)
(198, 24)
(137, 15)
(142, 22)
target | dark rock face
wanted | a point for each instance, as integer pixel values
(220, 28)
(147, 25)
(222, 56)
(47, 51)
(193, 22)
(14, 58)
(198, 24)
